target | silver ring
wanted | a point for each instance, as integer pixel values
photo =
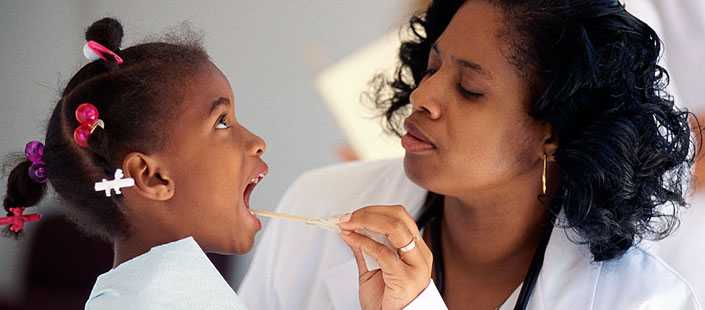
(410, 246)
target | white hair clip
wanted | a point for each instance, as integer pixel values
(94, 51)
(89, 53)
(115, 184)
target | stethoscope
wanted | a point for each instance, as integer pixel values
(431, 217)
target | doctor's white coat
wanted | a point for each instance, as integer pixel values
(302, 267)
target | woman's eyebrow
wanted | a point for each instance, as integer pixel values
(465, 64)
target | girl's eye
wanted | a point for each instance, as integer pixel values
(222, 122)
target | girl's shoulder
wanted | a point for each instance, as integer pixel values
(176, 275)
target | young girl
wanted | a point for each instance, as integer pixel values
(144, 149)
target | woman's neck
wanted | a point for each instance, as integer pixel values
(488, 242)
(492, 233)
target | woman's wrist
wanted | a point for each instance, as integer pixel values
(429, 298)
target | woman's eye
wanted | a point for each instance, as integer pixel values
(222, 122)
(468, 94)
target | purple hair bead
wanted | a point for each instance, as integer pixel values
(34, 151)
(38, 173)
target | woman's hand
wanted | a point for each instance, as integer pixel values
(405, 270)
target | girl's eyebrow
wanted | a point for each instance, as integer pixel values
(220, 101)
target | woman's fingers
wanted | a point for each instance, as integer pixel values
(389, 235)
(401, 213)
(391, 225)
(396, 211)
(384, 256)
(395, 223)
(357, 253)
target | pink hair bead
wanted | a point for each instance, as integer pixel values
(87, 113)
(81, 135)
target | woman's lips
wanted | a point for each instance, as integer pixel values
(415, 140)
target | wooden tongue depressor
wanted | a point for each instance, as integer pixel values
(327, 223)
(331, 224)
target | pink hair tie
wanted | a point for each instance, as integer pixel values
(17, 219)
(94, 51)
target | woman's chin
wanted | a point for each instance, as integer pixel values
(427, 176)
(417, 171)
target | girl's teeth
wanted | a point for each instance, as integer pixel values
(257, 179)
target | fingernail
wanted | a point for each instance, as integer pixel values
(345, 218)
(345, 232)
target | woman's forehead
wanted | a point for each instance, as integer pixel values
(473, 34)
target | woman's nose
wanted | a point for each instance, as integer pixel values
(425, 98)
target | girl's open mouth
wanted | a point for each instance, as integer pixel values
(251, 187)
(248, 193)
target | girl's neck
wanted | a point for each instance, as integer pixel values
(125, 250)
(137, 244)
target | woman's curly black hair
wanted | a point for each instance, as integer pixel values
(134, 99)
(625, 150)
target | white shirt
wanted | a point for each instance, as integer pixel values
(176, 275)
(297, 266)
(684, 249)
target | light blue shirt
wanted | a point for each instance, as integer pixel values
(176, 275)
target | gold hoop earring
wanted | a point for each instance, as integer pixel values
(543, 177)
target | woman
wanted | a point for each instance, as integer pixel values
(540, 149)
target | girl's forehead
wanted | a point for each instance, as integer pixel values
(205, 86)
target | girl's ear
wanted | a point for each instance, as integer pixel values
(152, 180)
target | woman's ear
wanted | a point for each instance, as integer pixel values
(152, 180)
(550, 142)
